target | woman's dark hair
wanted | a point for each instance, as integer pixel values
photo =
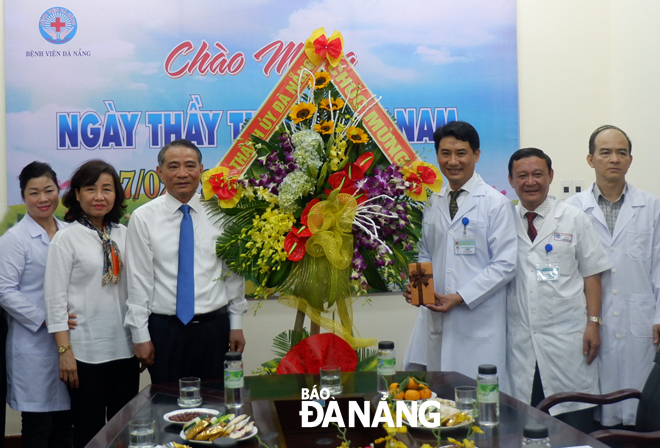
(34, 170)
(87, 174)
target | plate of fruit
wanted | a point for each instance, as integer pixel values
(411, 389)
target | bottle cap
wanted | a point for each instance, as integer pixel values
(488, 369)
(233, 356)
(386, 345)
(535, 431)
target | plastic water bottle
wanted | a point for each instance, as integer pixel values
(234, 382)
(488, 395)
(386, 366)
(535, 436)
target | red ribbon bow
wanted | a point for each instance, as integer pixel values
(323, 47)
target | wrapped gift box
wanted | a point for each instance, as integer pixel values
(421, 283)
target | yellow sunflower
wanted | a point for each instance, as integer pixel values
(337, 103)
(301, 112)
(324, 128)
(321, 79)
(357, 135)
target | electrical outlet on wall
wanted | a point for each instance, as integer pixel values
(578, 186)
(566, 189)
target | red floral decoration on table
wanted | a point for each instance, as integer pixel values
(316, 351)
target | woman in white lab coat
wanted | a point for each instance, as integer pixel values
(34, 385)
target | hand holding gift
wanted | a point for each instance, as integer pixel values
(421, 284)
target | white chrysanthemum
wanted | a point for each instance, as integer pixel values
(294, 186)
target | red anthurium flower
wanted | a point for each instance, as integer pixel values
(346, 177)
(294, 245)
(415, 183)
(305, 214)
(365, 161)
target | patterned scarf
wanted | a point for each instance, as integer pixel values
(112, 263)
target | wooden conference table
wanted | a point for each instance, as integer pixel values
(274, 402)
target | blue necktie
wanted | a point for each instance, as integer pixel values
(185, 280)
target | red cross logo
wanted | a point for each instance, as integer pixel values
(57, 24)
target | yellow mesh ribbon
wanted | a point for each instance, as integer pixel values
(319, 284)
(323, 293)
(331, 223)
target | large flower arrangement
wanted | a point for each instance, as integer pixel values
(321, 215)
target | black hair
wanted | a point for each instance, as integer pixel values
(594, 134)
(181, 142)
(34, 170)
(460, 130)
(87, 174)
(529, 152)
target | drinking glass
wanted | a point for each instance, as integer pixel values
(466, 399)
(331, 379)
(189, 394)
(142, 432)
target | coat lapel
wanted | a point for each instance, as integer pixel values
(631, 202)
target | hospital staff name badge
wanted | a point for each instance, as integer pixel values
(548, 271)
(465, 244)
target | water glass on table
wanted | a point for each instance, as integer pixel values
(466, 399)
(331, 379)
(142, 433)
(189, 392)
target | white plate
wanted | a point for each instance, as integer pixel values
(168, 417)
(449, 403)
(249, 435)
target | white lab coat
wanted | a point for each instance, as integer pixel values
(547, 320)
(473, 333)
(33, 373)
(631, 290)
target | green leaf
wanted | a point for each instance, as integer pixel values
(286, 340)
(324, 173)
(278, 277)
(367, 359)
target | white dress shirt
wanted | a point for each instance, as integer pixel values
(152, 261)
(73, 285)
(33, 374)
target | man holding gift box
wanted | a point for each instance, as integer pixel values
(466, 235)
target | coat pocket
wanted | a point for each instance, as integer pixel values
(642, 310)
(639, 242)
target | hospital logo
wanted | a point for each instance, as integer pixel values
(58, 25)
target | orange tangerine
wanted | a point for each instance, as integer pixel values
(412, 394)
(394, 386)
(424, 393)
(399, 396)
(412, 384)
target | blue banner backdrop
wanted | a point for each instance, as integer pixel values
(118, 80)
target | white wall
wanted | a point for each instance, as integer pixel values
(586, 63)
(581, 64)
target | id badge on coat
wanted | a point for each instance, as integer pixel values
(465, 245)
(547, 272)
